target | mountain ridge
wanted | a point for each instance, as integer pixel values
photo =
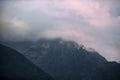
(14, 66)
(67, 60)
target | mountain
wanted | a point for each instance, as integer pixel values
(66, 60)
(20, 46)
(14, 66)
(109, 71)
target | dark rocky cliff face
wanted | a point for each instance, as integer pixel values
(14, 66)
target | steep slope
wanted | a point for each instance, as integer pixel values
(65, 60)
(14, 66)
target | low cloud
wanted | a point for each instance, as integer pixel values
(93, 23)
(12, 28)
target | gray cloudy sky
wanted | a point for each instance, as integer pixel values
(94, 23)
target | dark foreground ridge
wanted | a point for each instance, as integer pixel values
(14, 66)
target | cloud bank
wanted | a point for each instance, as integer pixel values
(93, 23)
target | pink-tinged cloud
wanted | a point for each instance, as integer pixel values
(87, 22)
(95, 12)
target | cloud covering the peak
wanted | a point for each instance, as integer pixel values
(93, 23)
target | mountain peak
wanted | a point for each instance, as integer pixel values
(60, 56)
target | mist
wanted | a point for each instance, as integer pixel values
(95, 24)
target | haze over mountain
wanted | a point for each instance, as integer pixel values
(66, 60)
(14, 66)
(94, 23)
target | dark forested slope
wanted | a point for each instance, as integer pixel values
(14, 66)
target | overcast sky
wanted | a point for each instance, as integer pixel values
(93, 23)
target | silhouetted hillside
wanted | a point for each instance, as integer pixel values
(14, 66)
